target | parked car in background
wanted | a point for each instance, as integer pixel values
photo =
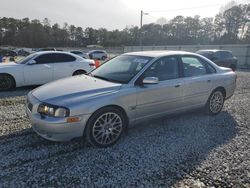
(222, 58)
(127, 89)
(42, 67)
(98, 54)
(8, 53)
(80, 53)
(46, 49)
(22, 52)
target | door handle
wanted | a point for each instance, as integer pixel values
(178, 85)
(208, 80)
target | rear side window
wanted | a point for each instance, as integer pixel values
(63, 58)
(192, 66)
(210, 69)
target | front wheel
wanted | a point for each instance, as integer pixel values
(105, 127)
(6, 82)
(215, 102)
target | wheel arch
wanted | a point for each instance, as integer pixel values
(122, 110)
(222, 89)
(79, 70)
(116, 107)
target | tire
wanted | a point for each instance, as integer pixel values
(7, 82)
(103, 58)
(215, 102)
(101, 132)
(233, 67)
(79, 72)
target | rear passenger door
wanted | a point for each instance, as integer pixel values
(64, 65)
(198, 79)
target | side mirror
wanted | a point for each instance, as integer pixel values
(150, 80)
(32, 62)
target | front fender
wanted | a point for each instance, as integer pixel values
(125, 98)
(15, 73)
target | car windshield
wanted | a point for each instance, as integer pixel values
(121, 69)
(205, 53)
(26, 59)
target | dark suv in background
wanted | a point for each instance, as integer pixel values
(222, 58)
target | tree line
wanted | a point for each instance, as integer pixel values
(231, 26)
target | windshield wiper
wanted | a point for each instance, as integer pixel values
(107, 79)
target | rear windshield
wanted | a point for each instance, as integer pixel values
(205, 54)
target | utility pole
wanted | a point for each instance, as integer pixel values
(141, 28)
(142, 13)
(141, 19)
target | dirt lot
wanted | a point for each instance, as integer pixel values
(190, 149)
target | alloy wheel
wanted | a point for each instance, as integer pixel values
(107, 128)
(216, 102)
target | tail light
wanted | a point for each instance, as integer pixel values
(97, 63)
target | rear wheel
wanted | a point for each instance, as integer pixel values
(6, 82)
(215, 102)
(105, 127)
(79, 72)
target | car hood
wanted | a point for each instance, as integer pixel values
(73, 89)
(9, 64)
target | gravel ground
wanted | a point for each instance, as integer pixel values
(187, 150)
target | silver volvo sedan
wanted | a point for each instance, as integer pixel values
(127, 89)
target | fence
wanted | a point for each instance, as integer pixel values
(242, 52)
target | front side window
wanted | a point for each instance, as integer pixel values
(192, 66)
(43, 59)
(164, 69)
(26, 59)
(121, 69)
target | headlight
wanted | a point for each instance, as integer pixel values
(52, 110)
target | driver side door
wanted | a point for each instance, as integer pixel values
(40, 72)
(158, 99)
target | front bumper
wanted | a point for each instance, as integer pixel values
(54, 129)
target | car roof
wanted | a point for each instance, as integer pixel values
(159, 53)
(97, 51)
(53, 52)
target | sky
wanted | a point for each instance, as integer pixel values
(110, 14)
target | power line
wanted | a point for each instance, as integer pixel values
(188, 8)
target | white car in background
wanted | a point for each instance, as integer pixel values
(80, 53)
(98, 54)
(42, 67)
